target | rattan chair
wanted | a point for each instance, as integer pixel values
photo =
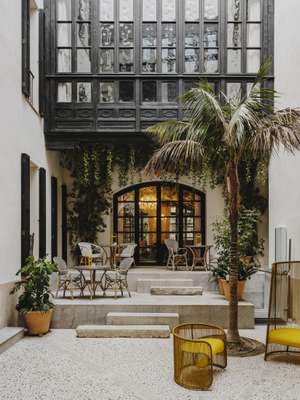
(197, 349)
(176, 255)
(89, 251)
(117, 278)
(67, 279)
(283, 330)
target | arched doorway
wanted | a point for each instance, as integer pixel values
(149, 213)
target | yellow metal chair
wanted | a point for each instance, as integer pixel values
(283, 330)
(197, 349)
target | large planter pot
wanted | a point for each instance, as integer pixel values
(38, 322)
(220, 286)
(240, 289)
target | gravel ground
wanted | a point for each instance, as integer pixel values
(60, 366)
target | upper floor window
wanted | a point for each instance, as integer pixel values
(30, 51)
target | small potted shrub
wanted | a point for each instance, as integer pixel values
(250, 248)
(34, 301)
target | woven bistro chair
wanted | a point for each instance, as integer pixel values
(89, 251)
(176, 255)
(283, 329)
(197, 349)
(117, 278)
(67, 279)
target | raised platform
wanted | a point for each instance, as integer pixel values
(208, 308)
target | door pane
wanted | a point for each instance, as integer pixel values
(234, 35)
(234, 10)
(128, 196)
(253, 61)
(126, 209)
(169, 193)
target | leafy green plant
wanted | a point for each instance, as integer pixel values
(250, 247)
(34, 283)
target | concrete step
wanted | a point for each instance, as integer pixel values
(9, 336)
(127, 318)
(177, 291)
(144, 285)
(123, 331)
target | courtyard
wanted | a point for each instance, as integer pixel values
(62, 367)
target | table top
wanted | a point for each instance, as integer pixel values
(94, 267)
(199, 246)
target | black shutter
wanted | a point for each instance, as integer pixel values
(41, 62)
(26, 47)
(64, 231)
(53, 217)
(42, 213)
(25, 207)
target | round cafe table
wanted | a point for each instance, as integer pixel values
(92, 283)
(201, 256)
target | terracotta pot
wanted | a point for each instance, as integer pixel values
(38, 322)
(220, 286)
(240, 289)
(246, 260)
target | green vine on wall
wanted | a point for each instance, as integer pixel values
(91, 168)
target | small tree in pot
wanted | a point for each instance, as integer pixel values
(34, 301)
(250, 249)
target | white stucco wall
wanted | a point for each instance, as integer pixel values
(284, 188)
(21, 132)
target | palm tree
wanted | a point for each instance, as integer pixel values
(220, 133)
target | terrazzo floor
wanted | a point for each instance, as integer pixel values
(60, 366)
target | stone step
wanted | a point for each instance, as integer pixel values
(177, 291)
(9, 336)
(123, 331)
(134, 318)
(144, 285)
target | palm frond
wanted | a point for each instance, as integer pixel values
(203, 106)
(168, 131)
(280, 129)
(172, 155)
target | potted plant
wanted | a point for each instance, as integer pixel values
(250, 248)
(34, 301)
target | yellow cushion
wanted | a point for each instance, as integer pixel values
(285, 336)
(217, 346)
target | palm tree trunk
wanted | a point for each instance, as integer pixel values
(234, 205)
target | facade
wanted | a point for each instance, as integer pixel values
(103, 71)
